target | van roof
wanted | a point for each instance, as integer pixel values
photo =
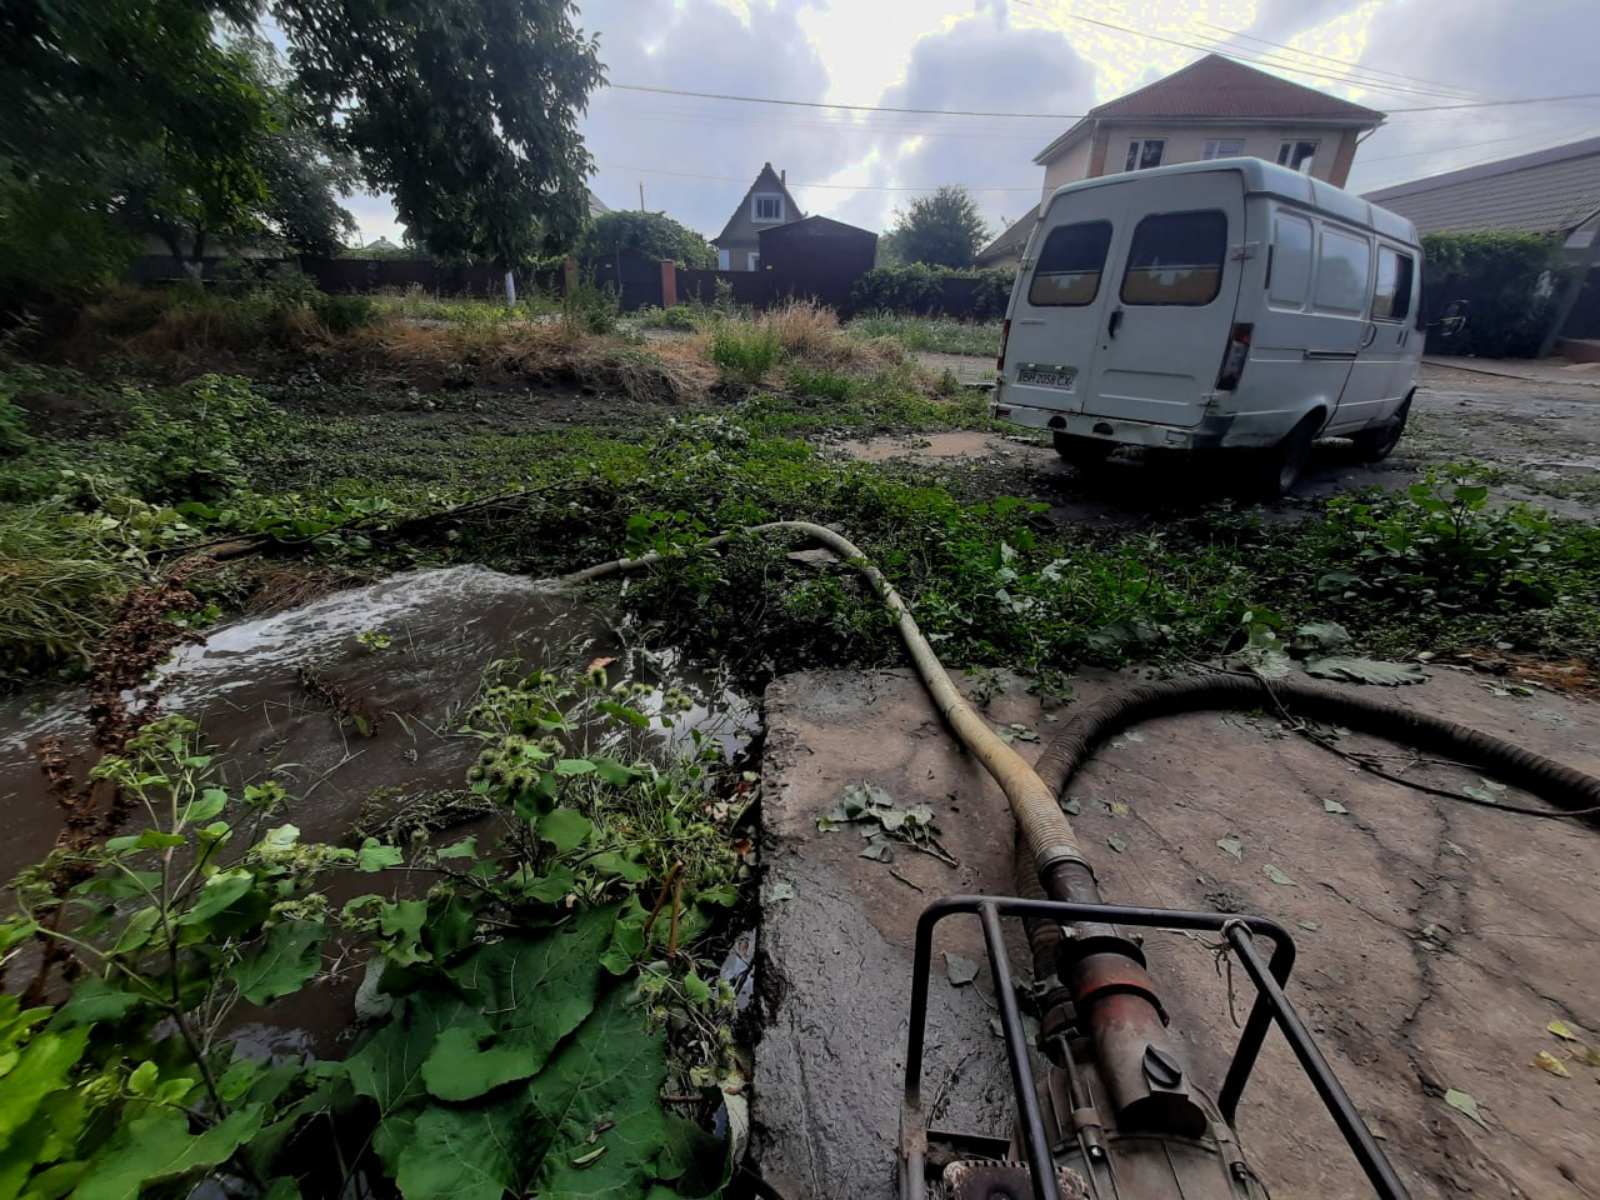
(1268, 179)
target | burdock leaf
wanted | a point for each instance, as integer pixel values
(1231, 845)
(1333, 806)
(1365, 670)
(1277, 876)
(1117, 843)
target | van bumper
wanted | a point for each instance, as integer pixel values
(1214, 430)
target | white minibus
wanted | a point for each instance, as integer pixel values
(1231, 304)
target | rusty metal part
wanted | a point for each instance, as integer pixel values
(979, 1179)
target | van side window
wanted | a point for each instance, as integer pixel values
(1291, 260)
(1176, 258)
(1391, 297)
(1070, 263)
(1342, 269)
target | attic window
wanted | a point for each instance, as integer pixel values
(1298, 156)
(766, 206)
(1144, 153)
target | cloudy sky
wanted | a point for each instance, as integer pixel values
(696, 157)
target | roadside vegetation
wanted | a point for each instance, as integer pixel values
(941, 335)
(169, 458)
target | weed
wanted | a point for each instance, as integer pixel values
(820, 382)
(588, 309)
(744, 352)
(943, 335)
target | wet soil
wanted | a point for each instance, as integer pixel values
(1541, 443)
(1437, 940)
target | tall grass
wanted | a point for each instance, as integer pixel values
(940, 335)
(57, 588)
(744, 351)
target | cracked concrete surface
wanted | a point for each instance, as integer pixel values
(1436, 940)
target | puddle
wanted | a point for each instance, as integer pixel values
(247, 687)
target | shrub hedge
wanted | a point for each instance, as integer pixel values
(926, 291)
(1510, 283)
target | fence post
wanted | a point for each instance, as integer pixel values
(569, 275)
(669, 283)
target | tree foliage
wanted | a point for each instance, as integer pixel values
(941, 230)
(465, 110)
(1508, 282)
(654, 235)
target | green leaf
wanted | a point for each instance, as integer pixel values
(402, 923)
(137, 932)
(559, 969)
(375, 856)
(467, 847)
(158, 1147)
(41, 1069)
(696, 989)
(1464, 1103)
(142, 1080)
(623, 713)
(220, 892)
(94, 999)
(959, 969)
(1277, 876)
(211, 802)
(565, 829)
(291, 955)
(1334, 807)
(1232, 845)
(551, 887)
(1366, 670)
(574, 766)
(613, 772)
(1117, 842)
(611, 863)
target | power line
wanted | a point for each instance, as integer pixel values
(840, 187)
(1250, 37)
(1242, 58)
(1500, 103)
(936, 112)
(1515, 137)
(1477, 162)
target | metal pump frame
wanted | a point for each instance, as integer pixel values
(1271, 1006)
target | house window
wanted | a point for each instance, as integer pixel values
(1342, 270)
(1297, 156)
(1144, 153)
(766, 207)
(1069, 267)
(755, 261)
(1391, 297)
(1176, 258)
(724, 260)
(1224, 148)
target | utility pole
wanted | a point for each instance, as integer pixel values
(641, 195)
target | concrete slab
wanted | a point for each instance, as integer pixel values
(1437, 940)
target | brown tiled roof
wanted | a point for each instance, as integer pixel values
(1548, 191)
(1217, 87)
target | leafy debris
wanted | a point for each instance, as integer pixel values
(875, 812)
(959, 969)
(1464, 1103)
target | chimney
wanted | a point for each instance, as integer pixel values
(783, 177)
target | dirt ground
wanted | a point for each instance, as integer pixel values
(1541, 442)
(1437, 940)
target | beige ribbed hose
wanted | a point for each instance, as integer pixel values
(1044, 827)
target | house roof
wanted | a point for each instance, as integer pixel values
(816, 226)
(766, 180)
(1547, 191)
(1011, 242)
(1217, 88)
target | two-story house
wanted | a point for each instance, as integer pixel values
(767, 204)
(1213, 108)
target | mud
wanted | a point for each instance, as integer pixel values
(1540, 442)
(268, 693)
(1436, 940)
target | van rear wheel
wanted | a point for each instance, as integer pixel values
(1281, 467)
(1081, 452)
(1375, 445)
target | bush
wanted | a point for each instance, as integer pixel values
(343, 314)
(1509, 282)
(745, 352)
(654, 235)
(588, 308)
(680, 317)
(928, 290)
(804, 328)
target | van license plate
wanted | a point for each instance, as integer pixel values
(1047, 376)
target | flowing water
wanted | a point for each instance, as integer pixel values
(267, 691)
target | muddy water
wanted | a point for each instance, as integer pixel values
(265, 693)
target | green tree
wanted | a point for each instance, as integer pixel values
(654, 235)
(465, 111)
(942, 230)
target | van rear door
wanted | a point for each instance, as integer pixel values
(1057, 305)
(1169, 299)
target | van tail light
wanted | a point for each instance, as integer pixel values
(1005, 336)
(1233, 358)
